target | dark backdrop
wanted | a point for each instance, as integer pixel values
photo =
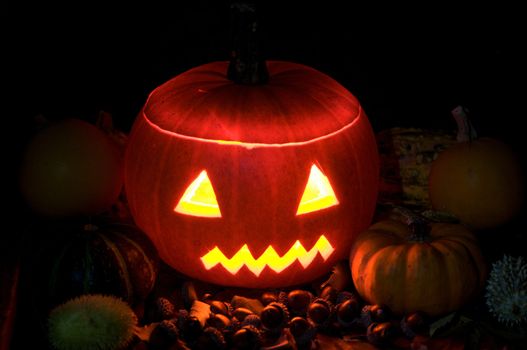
(409, 66)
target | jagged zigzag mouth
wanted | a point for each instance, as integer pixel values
(269, 257)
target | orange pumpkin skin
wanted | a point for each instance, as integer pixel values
(71, 168)
(257, 145)
(480, 182)
(436, 277)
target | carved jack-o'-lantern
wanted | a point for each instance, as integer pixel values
(254, 186)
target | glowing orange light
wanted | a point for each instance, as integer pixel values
(199, 199)
(269, 258)
(318, 193)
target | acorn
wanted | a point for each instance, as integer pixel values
(247, 338)
(268, 297)
(181, 318)
(381, 333)
(219, 307)
(230, 330)
(298, 301)
(302, 330)
(348, 312)
(374, 313)
(219, 321)
(211, 339)
(241, 312)
(274, 316)
(191, 329)
(345, 295)
(413, 324)
(163, 336)
(319, 312)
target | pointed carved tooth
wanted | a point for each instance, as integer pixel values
(268, 258)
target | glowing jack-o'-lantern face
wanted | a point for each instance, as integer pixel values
(255, 186)
(199, 199)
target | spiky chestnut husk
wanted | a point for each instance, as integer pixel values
(91, 322)
(506, 292)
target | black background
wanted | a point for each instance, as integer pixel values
(409, 66)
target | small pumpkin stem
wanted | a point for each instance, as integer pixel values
(247, 65)
(465, 129)
(419, 225)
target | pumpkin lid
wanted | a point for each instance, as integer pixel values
(298, 104)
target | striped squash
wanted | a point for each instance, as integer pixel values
(116, 259)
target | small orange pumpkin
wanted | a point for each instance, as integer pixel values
(434, 268)
(479, 180)
(71, 168)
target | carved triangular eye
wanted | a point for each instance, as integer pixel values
(199, 199)
(318, 193)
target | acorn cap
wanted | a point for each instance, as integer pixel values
(211, 339)
(252, 320)
(348, 311)
(298, 301)
(247, 337)
(302, 330)
(165, 310)
(319, 312)
(274, 316)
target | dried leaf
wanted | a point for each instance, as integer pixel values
(143, 333)
(441, 323)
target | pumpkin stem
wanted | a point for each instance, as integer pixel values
(247, 65)
(419, 225)
(465, 129)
